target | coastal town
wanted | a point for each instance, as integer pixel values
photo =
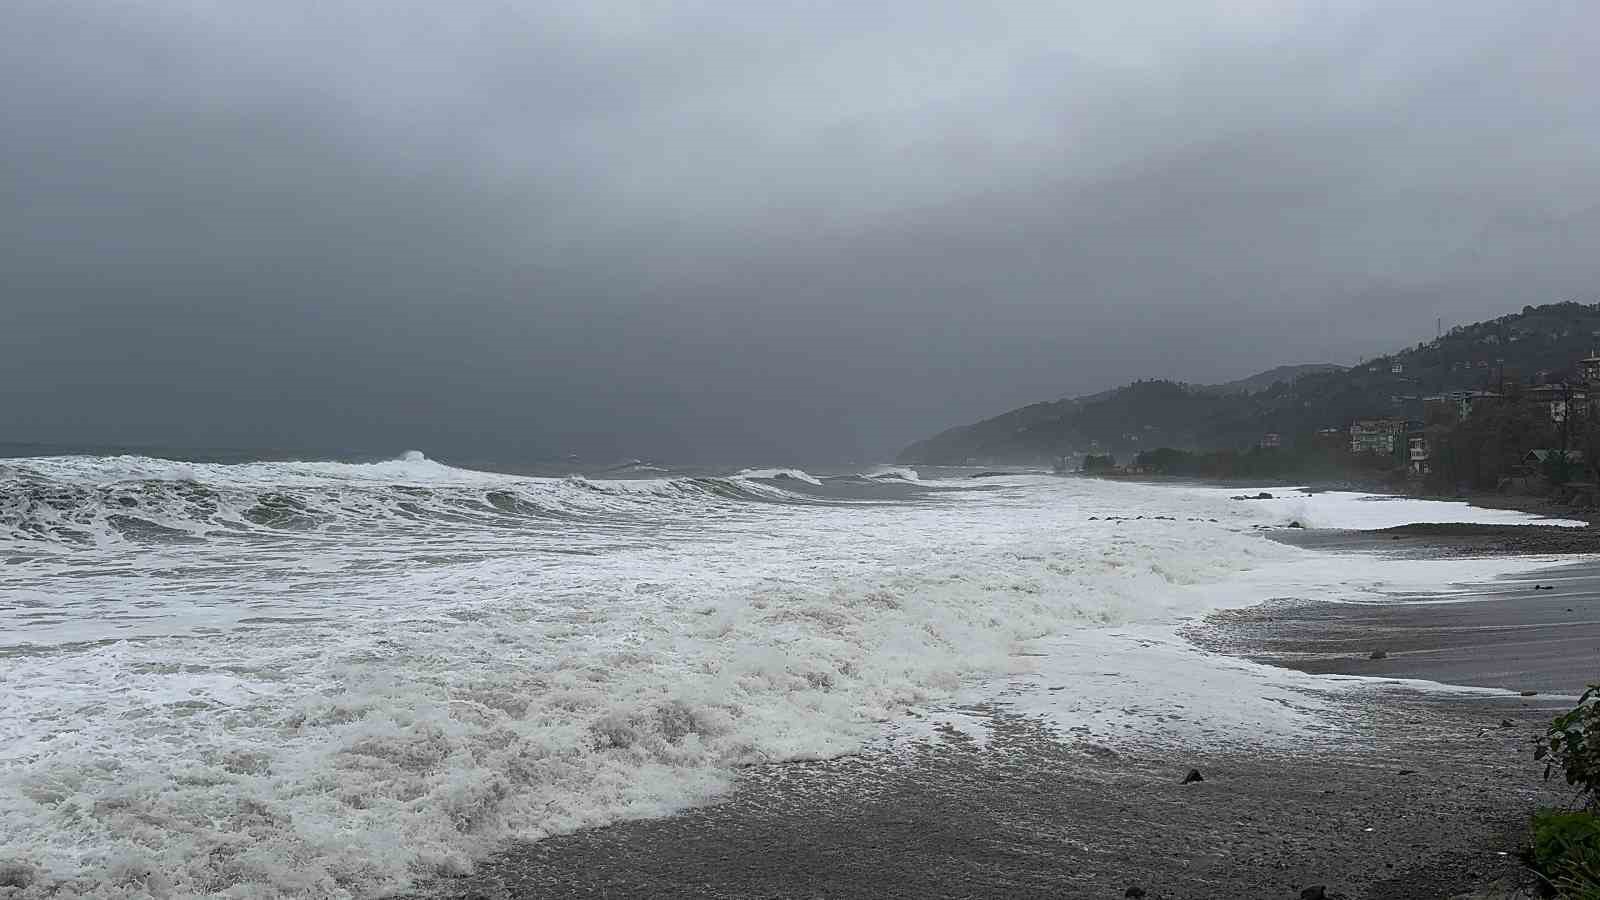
(1563, 402)
(1510, 405)
(1533, 435)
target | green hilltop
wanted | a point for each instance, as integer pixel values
(1539, 345)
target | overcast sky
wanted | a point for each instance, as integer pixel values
(730, 230)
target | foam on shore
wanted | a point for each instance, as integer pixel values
(284, 711)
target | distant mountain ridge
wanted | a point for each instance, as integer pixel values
(1539, 344)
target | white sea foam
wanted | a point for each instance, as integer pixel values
(1347, 509)
(415, 662)
(894, 473)
(780, 475)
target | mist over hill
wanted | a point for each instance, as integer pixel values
(1537, 345)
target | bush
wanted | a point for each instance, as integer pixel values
(1566, 852)
(1572, 743)
(1558, 468)
(1566, 843)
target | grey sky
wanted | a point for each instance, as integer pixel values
(729, 230)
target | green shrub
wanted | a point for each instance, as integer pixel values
(1558, 468)
(1566, 852)
(1572, 743)
(1566, 843)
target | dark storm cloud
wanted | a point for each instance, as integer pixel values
(725, 230)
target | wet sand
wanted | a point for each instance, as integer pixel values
(1433, 540)
(1426, 800)
(1538, 632)
(1422, 795)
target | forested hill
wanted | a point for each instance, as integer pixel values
(1264, 380)
(1540, 344)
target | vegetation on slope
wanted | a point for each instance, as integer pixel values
(1539, 344)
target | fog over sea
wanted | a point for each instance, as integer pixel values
(329, 679)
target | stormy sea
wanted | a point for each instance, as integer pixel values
(336, 679)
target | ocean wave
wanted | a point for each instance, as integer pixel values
(83, 501)
(348, 716)
(894, 473)
(780, 475)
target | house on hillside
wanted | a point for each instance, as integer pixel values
(1540, 457)
(1420, 455)
(1589, 366)
(1454, 404)
(1376, 435)
(1558, 400)
(1543, 466)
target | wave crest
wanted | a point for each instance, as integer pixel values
(83, 501)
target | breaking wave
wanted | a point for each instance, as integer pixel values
(781, 475)
(96, 501)
(334, 680)
(895, 473)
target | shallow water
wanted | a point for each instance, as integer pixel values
(330, 679)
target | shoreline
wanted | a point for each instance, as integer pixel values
(1426, 795)
(1445, 539)
(1528, 503)
(1427, 799)
(1522, 632)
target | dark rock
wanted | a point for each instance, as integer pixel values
(16, 875)
(1379, 654)
(1133, 891)
(1315, 892)
(1529, 693)
(1507, 723)
(1263, 496)
(1193, 776)
(1408, 771)
(1296, 524)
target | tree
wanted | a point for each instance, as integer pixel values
(1097, 464)
(1557, 467)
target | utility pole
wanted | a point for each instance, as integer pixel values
(1566, 416)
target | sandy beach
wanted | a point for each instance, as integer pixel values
(1426, 794)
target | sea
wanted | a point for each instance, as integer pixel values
(264, 679)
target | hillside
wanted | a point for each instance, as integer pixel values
(1538, 345)
(1263, 380)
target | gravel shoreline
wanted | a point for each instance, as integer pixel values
(1434, 539)
(1422, 798)
(1420, 795)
